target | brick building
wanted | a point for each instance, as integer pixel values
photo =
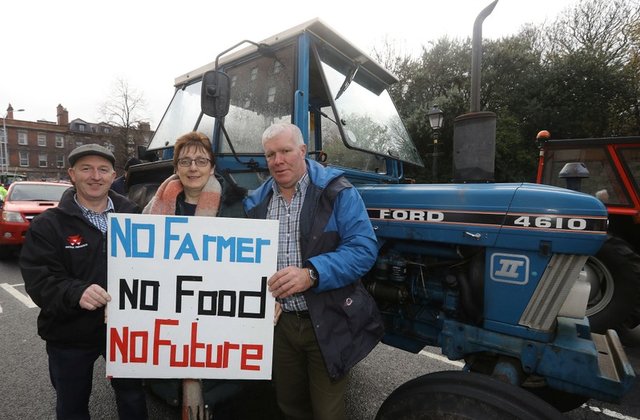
(39, 149)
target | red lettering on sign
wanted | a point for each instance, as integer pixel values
(195, 345)
(157, 342)
(211, 363)
(133, 347)
(250, 352)
(144, 338)
(122, 343)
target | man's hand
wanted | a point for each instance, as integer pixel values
(94, 297)
(288, 281)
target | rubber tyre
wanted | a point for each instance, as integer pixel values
(561, 400)
(630, 337)
(616, 269)
(463, 395)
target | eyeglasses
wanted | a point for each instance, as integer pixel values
(200, 162)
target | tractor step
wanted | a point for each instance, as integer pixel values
(612, 359)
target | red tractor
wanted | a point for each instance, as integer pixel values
(609, 169)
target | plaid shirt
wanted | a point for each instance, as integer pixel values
(99, 220)
(288, 214)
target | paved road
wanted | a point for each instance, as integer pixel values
(27, 394)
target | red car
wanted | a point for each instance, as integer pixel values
(24, 201)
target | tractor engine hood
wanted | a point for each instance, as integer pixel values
(515, 215)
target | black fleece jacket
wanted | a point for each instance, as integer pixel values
(62, 255)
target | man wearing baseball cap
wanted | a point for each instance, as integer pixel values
(64, 266)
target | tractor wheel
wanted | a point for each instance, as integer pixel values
(614, 275)
(463, 395)
(563, 401)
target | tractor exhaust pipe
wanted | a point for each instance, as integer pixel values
(476, 56)
(474, 134)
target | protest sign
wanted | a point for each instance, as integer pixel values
(189, 297)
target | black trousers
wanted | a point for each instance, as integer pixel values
(71, 373)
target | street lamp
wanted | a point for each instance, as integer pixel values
(4, 154)
(436, 117)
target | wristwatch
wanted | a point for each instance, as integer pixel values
(313, 275)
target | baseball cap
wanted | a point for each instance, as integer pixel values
(91, 150)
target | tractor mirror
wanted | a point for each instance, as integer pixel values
(215, 95)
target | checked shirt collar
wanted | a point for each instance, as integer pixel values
(99, 220)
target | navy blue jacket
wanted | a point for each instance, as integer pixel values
(62, 255)
(337, 239)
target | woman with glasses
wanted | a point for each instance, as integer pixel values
(192, 190)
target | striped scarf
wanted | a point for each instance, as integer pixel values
(164, 200)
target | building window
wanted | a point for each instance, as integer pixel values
(59, 140)
(3, 160)
(79, 143)
(233, 80)
(271, 94)
(109, 146)
(254, 73)
(22, 138)
(42, 139)
(42, 160)
(277, 66)
(3, 139)
(24, 158)
(81, 127)
(106, 130)
(60, 161)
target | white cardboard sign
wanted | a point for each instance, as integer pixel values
(189, 297)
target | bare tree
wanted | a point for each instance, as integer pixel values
(597, 27)
(390, 54)
(123, 111)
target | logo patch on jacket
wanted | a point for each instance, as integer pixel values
(75, 241)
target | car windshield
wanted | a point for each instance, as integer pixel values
(37, 192)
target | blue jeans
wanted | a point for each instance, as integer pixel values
(71, 373)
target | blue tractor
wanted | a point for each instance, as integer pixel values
(490, 273)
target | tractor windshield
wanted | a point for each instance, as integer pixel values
(261, 94)
(367, 116)
(181, 117)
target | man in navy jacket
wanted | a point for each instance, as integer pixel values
(329, 322)
(64, 266)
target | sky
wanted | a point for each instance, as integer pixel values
(72, 52)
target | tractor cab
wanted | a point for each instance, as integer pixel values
(308, 75)
(609, 169)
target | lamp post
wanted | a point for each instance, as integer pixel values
(4, 154)
(436, 117)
